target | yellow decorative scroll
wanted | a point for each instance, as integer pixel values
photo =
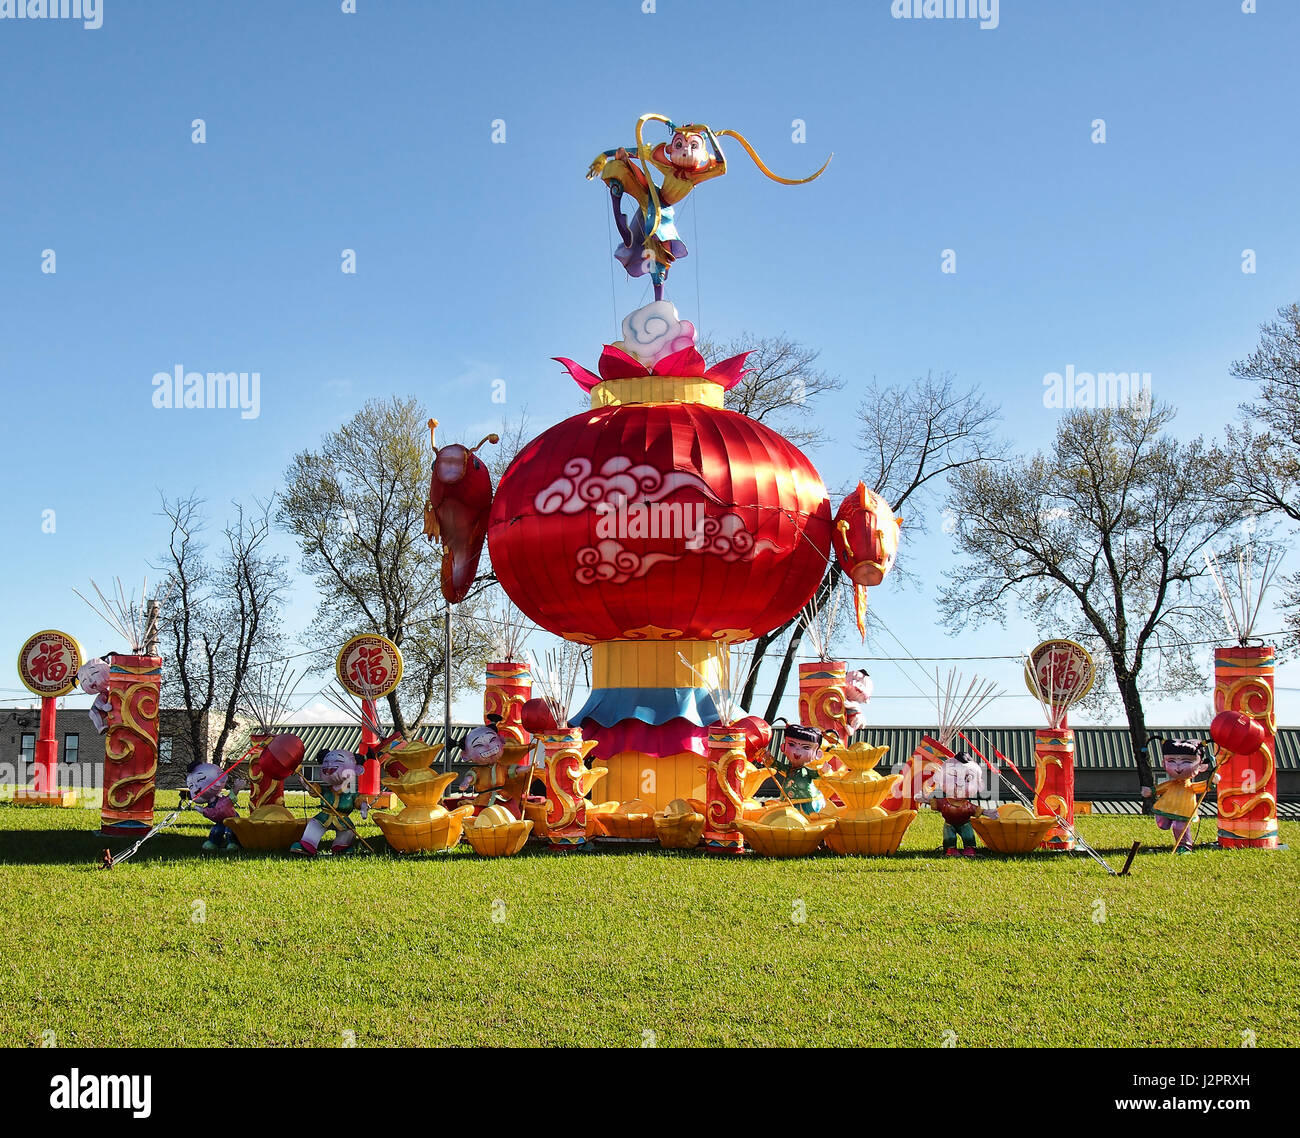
(1248, 804)
(134, 729)
(724, 770)
(1243, 683)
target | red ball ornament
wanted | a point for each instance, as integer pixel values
(538, 718)
(651, 521)
(1237, 733)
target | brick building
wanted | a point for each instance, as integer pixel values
(81, 747)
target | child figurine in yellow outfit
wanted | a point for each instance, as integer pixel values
(1178, 796)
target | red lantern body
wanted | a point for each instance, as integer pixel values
(282, 756)
(660, 521)
(537, 718)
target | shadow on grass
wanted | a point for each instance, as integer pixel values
(86, 847)
(77, 843)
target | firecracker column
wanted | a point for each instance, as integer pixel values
(1247, 790)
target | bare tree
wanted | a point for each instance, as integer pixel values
(513, 437)
(218, 615)
(911, 436)
(356, 508)
(780, 384)
(1103, 539)
(1266, 476)
(1262, 460)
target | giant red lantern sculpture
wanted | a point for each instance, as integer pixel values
(658, 527)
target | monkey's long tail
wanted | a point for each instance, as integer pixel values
(763, 167)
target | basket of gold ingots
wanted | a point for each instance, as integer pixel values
(423, 823)
(785, 831)
(495, 832)
(632, 821)
(873, 831)
(1012, 829)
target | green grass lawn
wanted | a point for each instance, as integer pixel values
(607, 948)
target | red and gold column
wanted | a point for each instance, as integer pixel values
(566, 789)
(922, 771)
(1243, 681)
(1054, 784)
(821, 697)
(724, 789)
(131, 745)
(508, 686)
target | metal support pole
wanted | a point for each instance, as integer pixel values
(446, 688)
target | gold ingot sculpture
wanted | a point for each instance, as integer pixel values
(860, 758)
(267, 828)
(873, 831)
(412, 756)
(631, 820)
(420, 828)
(680, 826)
(1014, 831)
(859, 790)
(784, 831)
(421, 787)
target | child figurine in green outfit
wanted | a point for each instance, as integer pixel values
(795, 768)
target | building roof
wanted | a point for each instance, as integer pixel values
(1095, 748)
(320, 737)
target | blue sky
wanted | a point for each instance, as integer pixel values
(475, 261)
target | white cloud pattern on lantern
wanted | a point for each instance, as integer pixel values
(579, 489)
(610, 562)
(726, 537)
